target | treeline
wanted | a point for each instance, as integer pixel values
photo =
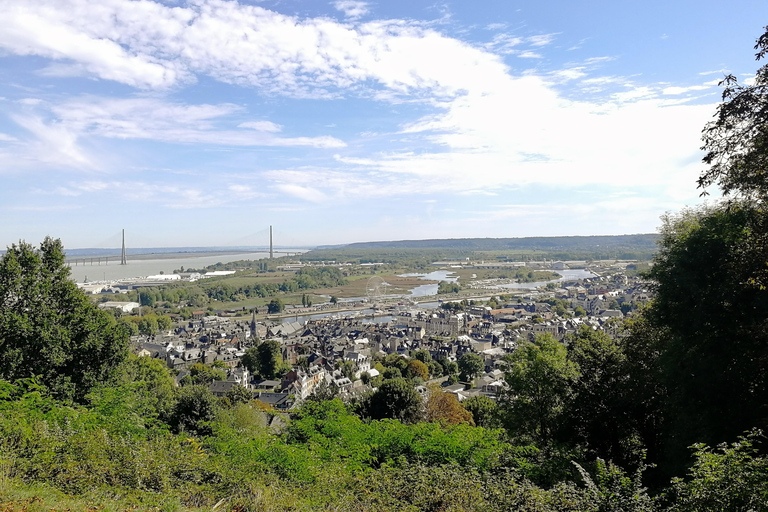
(200, 294)
(597, 246)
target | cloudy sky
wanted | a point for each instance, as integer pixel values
(202, 122)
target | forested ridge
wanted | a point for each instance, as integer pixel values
(667, 417)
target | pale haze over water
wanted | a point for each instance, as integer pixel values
(142, 268)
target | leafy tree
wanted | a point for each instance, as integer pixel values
(713, 310)
(153, 381)
(250, 360)
(484, 411)
(470, 366)
(733, 477)
(417, 369)
(203, 374)
(451, 367)
(442, 407)
(539, 377)
(148, 325)
(334, 299)
(394, 399)
(48, 327)
(736, 142)
(600, 401)
(194, 411)
(238, 395)
(269, 359)
(392, 373)
(422, 355)
(275, 306)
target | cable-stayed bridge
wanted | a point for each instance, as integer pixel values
(105, 252)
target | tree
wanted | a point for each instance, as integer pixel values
(444, 408)
(417, 369)
(736, 142)
(422, 355)
(712, 306)
(470, 365)
(275, 306)
(334, 299)
(539, 377)
(153, 381)
(483, 409)
(204, 374)
(600, 401)
(194, 411)
(48, 327)
(250, 360)
(268, 356)
(394, 399)
(238, 395)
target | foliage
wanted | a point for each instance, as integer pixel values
(736, 142)
(395, 398)
(444, 408)
(599, 401)
(446, 287)
(733, 477)
(275, 306)
(612, 490)
(713, 311)
(238, 395)
(268, 359)
(203, 374)
(417, 369)
(470, 365)
(50, 328)
(194, 411)
(484, 411)
(539, 377)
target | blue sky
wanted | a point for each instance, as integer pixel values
(202, 122)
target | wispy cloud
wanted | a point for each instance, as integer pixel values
(352, 9)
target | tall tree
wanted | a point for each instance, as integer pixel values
(713, 308)
(268, 354)
(736, 142)
(470, 366)
(49, 328)
(539, 377)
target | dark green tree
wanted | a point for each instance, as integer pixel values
(396, 399)
(48, 327)
(599, 402)
(238, 395)
(736, 142)
(470, 366)
(484, 411)
(275, 306)
(712, 306)
(269, 359)
(194, 410)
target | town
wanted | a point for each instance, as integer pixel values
(349, 347)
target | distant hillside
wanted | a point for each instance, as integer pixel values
(538, 243)
(641, 247)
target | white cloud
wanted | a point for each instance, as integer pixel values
(155, 119)
(487, 129)
(261, 126)
(351, 8)
(6, 138)
(682, 90)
